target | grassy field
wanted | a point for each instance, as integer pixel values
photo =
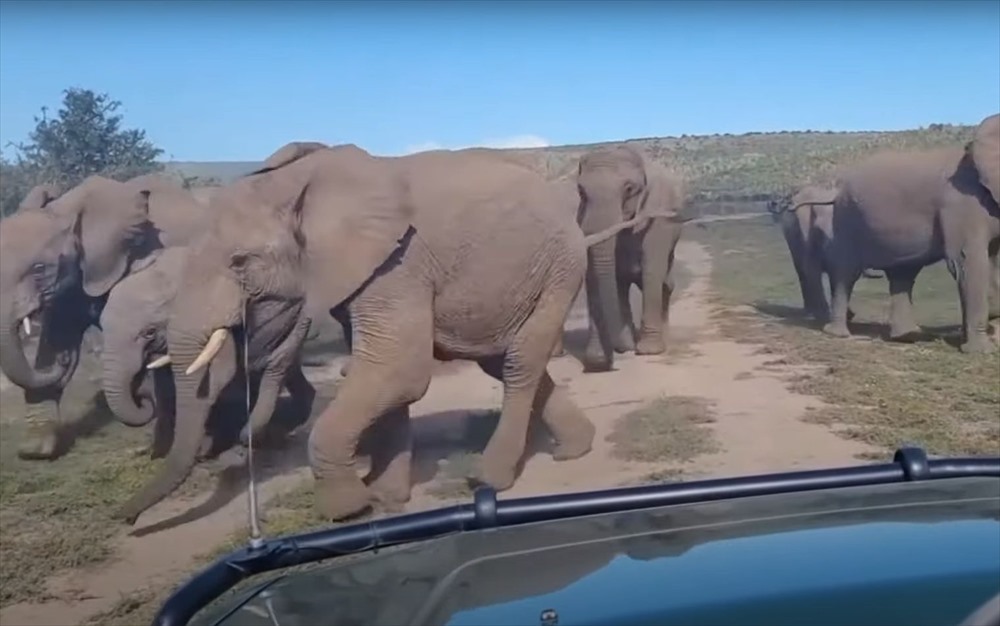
(887, 394)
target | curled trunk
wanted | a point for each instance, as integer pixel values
(15, 363)
(117, 383)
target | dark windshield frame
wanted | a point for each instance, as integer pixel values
(909, 464)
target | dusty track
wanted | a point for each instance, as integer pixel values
(757, 424)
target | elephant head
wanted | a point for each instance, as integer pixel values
(245, 281)
(134, 320)
(77, 248)
(985, 152)
(614, 185)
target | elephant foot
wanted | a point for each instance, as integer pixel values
(576, 446)
(836, 329)
(594, 360)
(391, 496)
(626, 342)
(41, 443)
(905, 333)
(650, 344)
(493, 473)
(980, 343)
(343, 497)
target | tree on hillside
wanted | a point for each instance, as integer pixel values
(86, 137)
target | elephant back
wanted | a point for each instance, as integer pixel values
(985, 152)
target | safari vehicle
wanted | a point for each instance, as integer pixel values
(915, 541)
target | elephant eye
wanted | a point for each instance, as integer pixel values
(38, 268)
(238, 260)
(149, 333)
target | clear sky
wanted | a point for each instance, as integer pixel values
(235, 80)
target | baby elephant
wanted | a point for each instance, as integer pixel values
(138, 387)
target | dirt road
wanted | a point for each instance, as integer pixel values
(757, 425)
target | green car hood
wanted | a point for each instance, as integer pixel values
(909, 553)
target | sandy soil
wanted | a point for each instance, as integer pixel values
(758, 425)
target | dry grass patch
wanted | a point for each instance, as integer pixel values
(882, 393)
(668, 429)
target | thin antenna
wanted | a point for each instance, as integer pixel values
(256, 539)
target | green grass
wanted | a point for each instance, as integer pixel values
(667, 430)
(56, 516)
(882, 393)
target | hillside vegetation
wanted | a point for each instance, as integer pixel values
(726, 172)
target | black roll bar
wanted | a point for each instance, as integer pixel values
(908, 464)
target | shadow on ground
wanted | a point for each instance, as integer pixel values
(795, 316)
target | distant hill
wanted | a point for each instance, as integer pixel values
(725, 172)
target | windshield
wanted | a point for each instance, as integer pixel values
(268, 268)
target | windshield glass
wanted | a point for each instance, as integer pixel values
(357, 259)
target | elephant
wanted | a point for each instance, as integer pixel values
(616, 184)
(902, 211)
(447, 255)
(806, 220)
(137, 385)
(57, 266)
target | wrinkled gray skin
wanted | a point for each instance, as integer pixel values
(135, 326)
(806, 220)
(902, 211)
(57, 265)
(453, 255)
(615, 184)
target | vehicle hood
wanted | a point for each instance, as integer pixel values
(925, 552)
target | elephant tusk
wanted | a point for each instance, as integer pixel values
(159, 361)
(26, 323)
(211, 348)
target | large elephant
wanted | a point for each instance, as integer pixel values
(902, 211)
(57, 266)
(806, 220)
(616, 184)
(134, 320)
(448, 255)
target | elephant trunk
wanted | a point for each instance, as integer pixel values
(192, 412)
(117, 382)
(15, 364)
(604, 274)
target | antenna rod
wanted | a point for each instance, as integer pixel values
(256, 538)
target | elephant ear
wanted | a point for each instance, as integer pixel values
(985, 150)
(362, 228)
(39, 197)
(289, 153)
(664, 192)
(109, 228)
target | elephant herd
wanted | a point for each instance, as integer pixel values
(441, 255)
(899, 212)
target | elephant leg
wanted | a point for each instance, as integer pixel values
(524, 367)
(302, 392)
(391, 365)
(994, 308)
(971, 269)
(41, 438)
(391, 457)
(285, 357)
(842, 285)
(626, 342)
(559, 350)
(902, 324)
(163, 435)
(812, 277)
(654, 304)
(572, 432)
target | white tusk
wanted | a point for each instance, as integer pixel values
(27, 326)
(208, 353)
(158, 362)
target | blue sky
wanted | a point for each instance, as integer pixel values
(235, 80)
